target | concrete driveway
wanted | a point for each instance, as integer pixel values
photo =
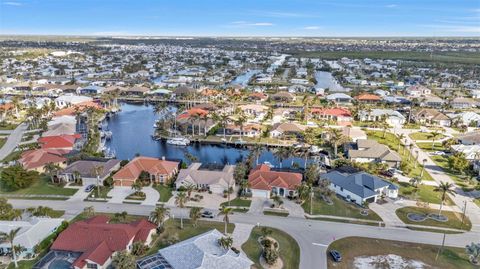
(151, 196)
(258, 204)
(119, 194)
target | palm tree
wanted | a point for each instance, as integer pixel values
(195, 214)
(281, 153)
(415, 181)
(240, 121)
(424, 161)
(434, 136)
(336, 139)
(400, 137)
(303, 191)
(444, 188)
(244, 184)
(157, 216)
(473, 251)
(180, 200)
(77, 177)
(97, 171)
(89, 211)
(256, 151)
(51, 170)
(226, 242)
(189, 188)
(10, 237)
(226, 211)
(137, 187)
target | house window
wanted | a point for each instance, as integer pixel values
(341, 188)
(92, 266)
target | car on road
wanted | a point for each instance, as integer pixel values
(207, 214)
(437, 153)
(336, 256)
(89, 188)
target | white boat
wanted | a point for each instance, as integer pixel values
(269, 164)
(178, 141)
(108, 135)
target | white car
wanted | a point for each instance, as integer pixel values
(437, 153)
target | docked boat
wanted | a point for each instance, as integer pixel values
(108, 135)
(178, 141)
(267, 163)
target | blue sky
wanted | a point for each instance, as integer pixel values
(242, 17)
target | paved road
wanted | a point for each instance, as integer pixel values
(313, 236)
(13, 140)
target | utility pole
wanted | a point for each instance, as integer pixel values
(441, 248)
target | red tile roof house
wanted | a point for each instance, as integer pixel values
(160, 171)
(263, 182)
(368, 98)
(36, 159)
(97, 241)
(338, 114)
(65, 142)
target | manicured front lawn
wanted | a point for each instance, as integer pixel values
(424, 193)
(424, 136)
(101, 193)
(164, 191)
(407, 158)
(173, 234)
(2, 142)
(454, 219)
(426, 146)
(352, 247)
(238, 202)
(275, 213)
(23, 264)
(339, 208)
(43, 187)
(288, 248)
(13, 156)
(459, 178)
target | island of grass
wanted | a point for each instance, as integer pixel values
(164, 191)
(288, 248)
(353, 248)
(425, 136)
(238, 202)
(339, 208)
(137, 196)
(100, 192)
(427, 146)
(454, 218)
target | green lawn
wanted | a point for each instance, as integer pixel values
(427, 146)
(460, 179)
(13, 156)
(424, 193)
(101, 193)
(477, 202)
(450, 258)
(238, 202)
(2, 142)
(424, 136)
(165, 192)
(43, 187)
(392, 142)
(128, 219)
(23, 264)
(275, 213)
(339, 208)
(454, 219)
(173, 234)
(137, 196)
(7, 126)
(288, 248)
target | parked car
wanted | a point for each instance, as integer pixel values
(89, 188)
(437, 153)
(336, 256)
(207, 214)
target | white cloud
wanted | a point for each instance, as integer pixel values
(261, 24)
(391, 6)
(282, 14)
(311, 27)
(16, 4)
(240, 24)
(467, 29)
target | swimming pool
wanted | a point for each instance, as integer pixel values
(60, 264)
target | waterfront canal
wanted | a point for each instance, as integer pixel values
(132, 129)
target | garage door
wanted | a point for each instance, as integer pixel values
(260, 193)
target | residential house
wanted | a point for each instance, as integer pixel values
(86, 171)
(199, 252)
(287, 129)
(366, 151)
(468, 118)
(463, 103)
(91, 90)
(471, 152)
(431, 116)
(338, 114)
(62, 142)
(256, 111)
(160, 171)
(258, 97)
(92, 243)
(283, 97)
(248, 130)
(392, 117)
(418, 91)
(32, 232)
(470, 138)
(36, 159)
(360, 187)
(339, 98)
(433, 101)
(70, 100)
(368, 98)
(263, 182)
(137, 90)
(354, 133)
(207, 178)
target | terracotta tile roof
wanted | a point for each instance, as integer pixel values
(262, 178)
(71, 110)
(338, 111)
(154, 166)
(59, 141)
(98, 240)
(6, 106)
(32, 159)
(191, 112)
(368, 97)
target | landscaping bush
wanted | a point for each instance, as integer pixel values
(16, 177)
(270, 255)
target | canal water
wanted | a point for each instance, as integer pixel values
(244, 78)
(327, 80)
(132, 129)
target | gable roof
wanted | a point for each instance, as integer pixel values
(153, 166)
(97, 240)
(32, 159)
(262, 178)
(367, 148)
(85, 168)
(59, 141)
(195, 176)
(31, 232)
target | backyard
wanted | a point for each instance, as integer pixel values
(288, 248)
(450, 257)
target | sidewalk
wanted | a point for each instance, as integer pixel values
(240, 234)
